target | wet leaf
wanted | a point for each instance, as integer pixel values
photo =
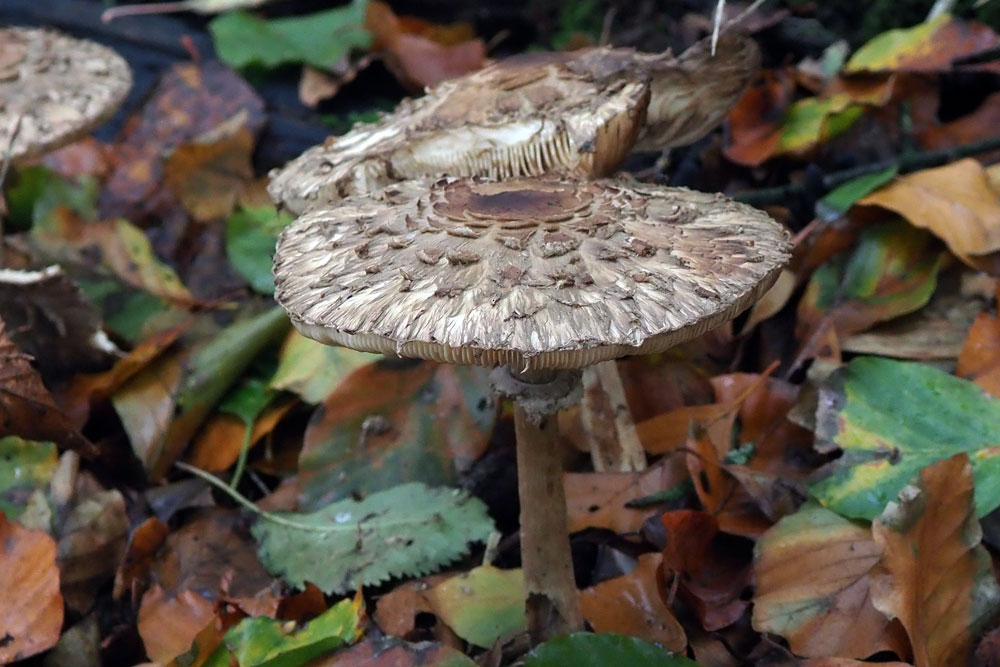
(208, 173)
(891, 271)
(939, 580)
(27, 409)
(391, 652)
(26, 467)
(633, 605)
(321, 39)
(824, 609)
(410, 529)
(393, 422)
(482, 606)
(251, 234)
(265, 642)
(931, 46)
(587, 650)
(955, 202)
(168, 624)
(876, 411)
(31, 608)
(313, 370)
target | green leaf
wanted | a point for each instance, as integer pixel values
(893, 418)
(813, 120)
(26, 467)
(313, 370)
(589, 650)
(837, 202)
(891, 271)
(887, 50)
(408, 530)
(266, 642)
(321, 39)
(394, 422)
(482, 605)
(251, 234)
(37, 191)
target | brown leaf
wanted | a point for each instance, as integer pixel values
(190, 100)
(955, 202)
(86, 157)
(417, 60)
(168, 624)
(772, 302)
(209, 173)
(218, 443)
(27, 408)
(847, 662)
(938, 579)
(709, 569)
(755, 121)
(396, 612)
(979, 359)
(633, 605)
(133, 571)
(824, 609)
(31, 608)
(390, 652)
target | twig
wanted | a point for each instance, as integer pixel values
(940, 8)
(907, 163)
(7, 159)
(717, 23)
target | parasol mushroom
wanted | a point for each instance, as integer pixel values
(576, 113)
(538, 277)
(57, 88)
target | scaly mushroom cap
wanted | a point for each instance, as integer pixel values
(60, 87)
(571, 113)
(540, 273)
(691, 94)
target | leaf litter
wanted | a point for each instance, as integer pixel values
(817, 472)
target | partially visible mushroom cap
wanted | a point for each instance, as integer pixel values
(570, 113)
(539, 273)
(60, 87)
(690, 95)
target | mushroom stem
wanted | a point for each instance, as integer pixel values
(552, 603)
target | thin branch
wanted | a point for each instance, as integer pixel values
(717, 23)
(906, 163)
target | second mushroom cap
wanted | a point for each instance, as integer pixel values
(539, 273)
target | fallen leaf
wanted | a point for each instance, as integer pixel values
(26, 407)
(395, 421)
(825, 609)
(313, 370)
(218, 442)
(406, 530)
(602, 499)
(251, 234)
(190, 100)
(587, 650)
(92, 541)
(707, 567)
(967, 129)
(955, 202)
(86, 157)
(168, 624)
(939, 581)
(321, 39)
(391, 652)
(772, 302)
(891, 271)
(927, 47)
(754, 123)
(265, 642)
(979, 359)
(876, 411)
(79, 646)
(632, 604)
(482, 606)
(208, 173)
(31, 609)
(27, 468)
(396, 611)
(847, 662)
(133, 571)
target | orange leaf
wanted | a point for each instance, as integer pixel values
(169, 624)
(143, 545)
(979, 360)
(217, 445)
(632, 605)
(31, 608)
(938, 580)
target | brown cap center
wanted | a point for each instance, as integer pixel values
(510, 205)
